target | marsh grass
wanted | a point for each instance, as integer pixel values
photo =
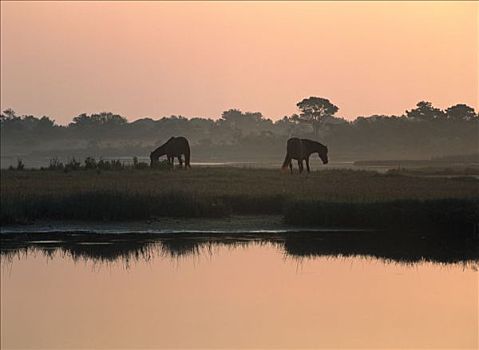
(91, 163)
(108, 206)
(336, 198)
(440, 215)
(19, 167)
(436, 171)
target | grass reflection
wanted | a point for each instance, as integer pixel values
(109, 247)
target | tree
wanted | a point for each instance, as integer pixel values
(231, 117)
(8, 114)
(30, 122)
(425, 111)
(244, 123)
(461, 112)
(103, 118)
(314, 110)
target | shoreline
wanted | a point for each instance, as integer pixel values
(232, 225)
(114, 244)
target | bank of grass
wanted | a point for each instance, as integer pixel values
(471, 171)
(125, 206)
(440, 215)
(335, 198)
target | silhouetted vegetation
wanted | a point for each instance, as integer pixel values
(458, 216)
(91, 163)
(389, 246)
(109, 206)
(456, 171)
(110, 247)
(421, 133)
(336, 198)
(315, 111)
(20, 165)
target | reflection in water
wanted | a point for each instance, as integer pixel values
(407, 248)
(238, 291)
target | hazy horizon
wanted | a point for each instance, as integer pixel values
(68, 120)
(199, 59)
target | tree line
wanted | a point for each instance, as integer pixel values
(422, 132)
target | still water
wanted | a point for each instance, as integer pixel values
(251, 294)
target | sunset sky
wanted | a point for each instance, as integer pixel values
(201, 58)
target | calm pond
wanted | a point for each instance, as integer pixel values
(232, 292)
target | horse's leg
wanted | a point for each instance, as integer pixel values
(172, 162)
(307, 164)
(300, 165)
(291, 166)
(287, 161)
(187, 158)
(181, 161)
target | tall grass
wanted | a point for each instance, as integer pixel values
(20, 165)
(104, 205)
(339, 198)
(442, 215)
(91, 163)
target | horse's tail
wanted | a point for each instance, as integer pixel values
(287, 161)
(187, 157)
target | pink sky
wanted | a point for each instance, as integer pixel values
(199, 59)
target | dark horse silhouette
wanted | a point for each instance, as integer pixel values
(301, 149)
(174, 147)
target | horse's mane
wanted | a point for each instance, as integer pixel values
(316, 143)
(159, 150)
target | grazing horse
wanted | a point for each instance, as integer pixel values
(301, 149)
(174, 147)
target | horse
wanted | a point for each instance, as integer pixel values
(301, 149)
(174, 147)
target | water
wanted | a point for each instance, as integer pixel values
(230, 292)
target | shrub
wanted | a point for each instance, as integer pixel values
(73, 164)
(139, 165)
(20, 165)
(55, 164)
(90, 163)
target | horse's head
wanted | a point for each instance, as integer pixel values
(323, 154)
(156, 154)
(155, 158)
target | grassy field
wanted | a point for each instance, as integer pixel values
(133, 194)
